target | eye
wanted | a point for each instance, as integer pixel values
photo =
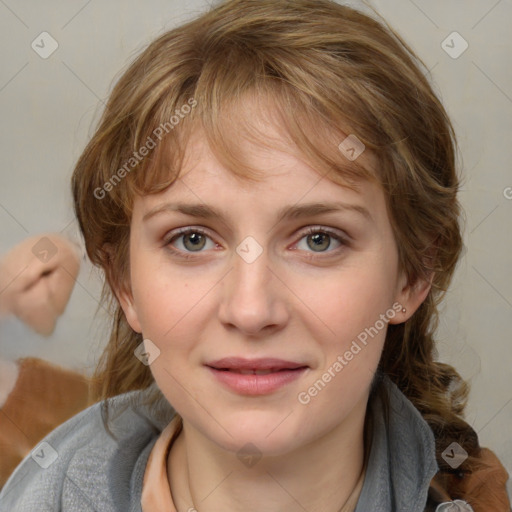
(320, 239)
(190, 240)
(193, 240)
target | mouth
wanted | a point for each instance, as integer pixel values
(260, 366)
(256, 376)
(258, 372)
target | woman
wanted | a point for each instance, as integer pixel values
(272, 194)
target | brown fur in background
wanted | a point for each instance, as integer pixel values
(45, 395)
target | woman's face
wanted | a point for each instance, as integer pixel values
(302, 293)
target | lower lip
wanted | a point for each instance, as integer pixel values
(256, 384)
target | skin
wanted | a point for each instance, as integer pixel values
(37, 277)
(295, 302)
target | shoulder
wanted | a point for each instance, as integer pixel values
(81, 466)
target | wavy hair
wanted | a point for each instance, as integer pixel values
(322, 71)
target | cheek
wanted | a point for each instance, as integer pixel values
(168, 301)
(349, 301)
(349, 362)
(348, 320)
(162, 308)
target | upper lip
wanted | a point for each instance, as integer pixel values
(266, 363)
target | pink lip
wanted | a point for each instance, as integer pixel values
(266, 363)
(282, 372)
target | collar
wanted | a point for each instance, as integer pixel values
(401, 462)
(402, 459)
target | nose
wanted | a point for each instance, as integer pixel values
(254, 298)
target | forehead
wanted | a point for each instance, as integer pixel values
(282, 171)
(262, 143)
(288, 188)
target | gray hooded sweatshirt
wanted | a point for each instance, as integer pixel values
(79, 467)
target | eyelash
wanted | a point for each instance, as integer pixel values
(310, 231)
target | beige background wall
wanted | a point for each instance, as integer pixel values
(49, 105)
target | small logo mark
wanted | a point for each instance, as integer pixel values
(249, 249)
(507, 192)
(44, 250)
(455, 506)
(44, 45)
(454, 45)
(455, 455)
(44, 454)
(146, 352)
(249, 455)
(351, 147)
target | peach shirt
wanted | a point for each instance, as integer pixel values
(156, 493)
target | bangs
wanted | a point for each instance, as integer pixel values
(230, 119)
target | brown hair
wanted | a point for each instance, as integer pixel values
(322, 71)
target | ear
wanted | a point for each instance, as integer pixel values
(127, 303)
(122, 289)
(411, 296)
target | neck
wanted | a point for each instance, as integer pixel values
(204, 477)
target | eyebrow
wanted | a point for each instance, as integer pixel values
(204, 211)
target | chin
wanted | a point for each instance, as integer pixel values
(264, 434)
